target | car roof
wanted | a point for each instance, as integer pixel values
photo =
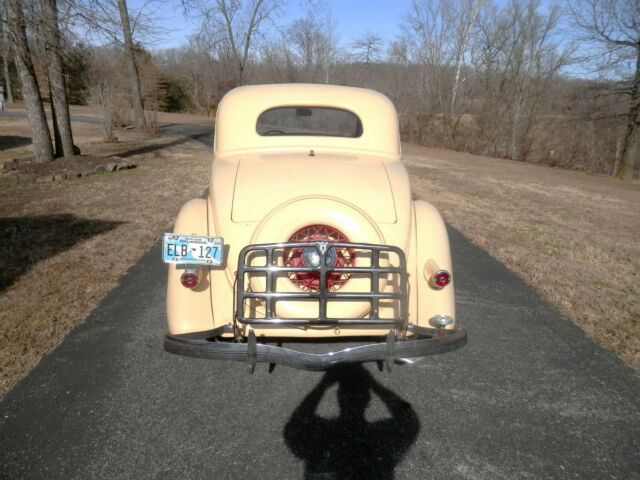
(240, 108)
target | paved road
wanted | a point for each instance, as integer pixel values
(74, 118)
(529, 397)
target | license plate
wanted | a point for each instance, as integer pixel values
(191, 249)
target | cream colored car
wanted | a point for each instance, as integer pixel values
(309, 232)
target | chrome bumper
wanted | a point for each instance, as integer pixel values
(429, 341)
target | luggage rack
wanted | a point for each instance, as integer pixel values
(272, 270)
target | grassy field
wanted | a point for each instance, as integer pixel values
(573, 237)
(82, 234)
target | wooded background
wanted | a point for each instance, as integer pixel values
(556, 85)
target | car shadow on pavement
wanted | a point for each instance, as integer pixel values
(349, 446)
(25, 241)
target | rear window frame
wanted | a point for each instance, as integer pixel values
(359, 125)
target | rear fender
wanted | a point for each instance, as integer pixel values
(432, 243)
(189, 310)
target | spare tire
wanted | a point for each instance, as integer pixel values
(288, 219)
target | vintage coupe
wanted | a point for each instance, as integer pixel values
(308, 234)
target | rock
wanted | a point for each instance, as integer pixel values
(99, 169)
(125, 166)
(9, 165)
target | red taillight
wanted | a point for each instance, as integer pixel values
(189, 279)
(440, 279)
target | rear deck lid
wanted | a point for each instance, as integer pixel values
(266, 181)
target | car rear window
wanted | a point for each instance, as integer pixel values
(314, 121)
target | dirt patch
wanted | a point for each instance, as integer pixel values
(572, 236)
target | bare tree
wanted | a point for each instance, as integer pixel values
(463, 18)
(492, 86)
(428, 40)
(206, 72)
(519, 57)
(30, 92)
(279, 63)
(438, 35)
(57, 87)
(134, 77)
(233, 25)
(367, 49)
(402, 80)
(111, 19)
(4, 37)
(314, 45)
(532, 62)
(611, 31)
(103, 90)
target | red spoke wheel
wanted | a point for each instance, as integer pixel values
(295, 257)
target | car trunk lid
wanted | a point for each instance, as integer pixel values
(265, 181)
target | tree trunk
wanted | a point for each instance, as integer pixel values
(630, 163)
(57, 140)
(5, 62)
(35, 111)
(134, 79)
(618, 159)
(474, 8)
(57, 88)
(515, 154)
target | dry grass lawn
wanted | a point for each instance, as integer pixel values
(88, 232)
(573, 237)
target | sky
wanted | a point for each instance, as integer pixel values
(352, 19)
